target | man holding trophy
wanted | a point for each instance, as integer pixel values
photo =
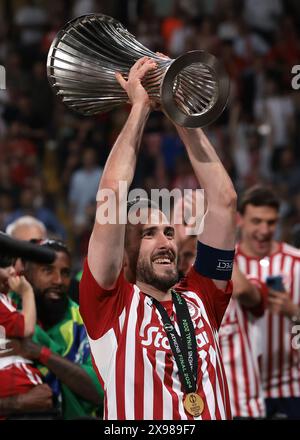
(154, 341)
(129, 296)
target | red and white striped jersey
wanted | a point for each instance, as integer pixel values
(10, 319)
(280, 361)
(17, 375)
(132, 355)
(18, 378)
(11, 326)
(237, 333)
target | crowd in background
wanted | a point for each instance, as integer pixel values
(52, 159)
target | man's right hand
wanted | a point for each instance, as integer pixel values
(37, 399)
(19, 285)
(133, 87)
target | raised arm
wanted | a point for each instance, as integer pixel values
(21, 286)
(220, 218)
(245, 291)
(106, 246)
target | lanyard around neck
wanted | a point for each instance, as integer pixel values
(183, 346)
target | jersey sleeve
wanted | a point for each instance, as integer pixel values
(100, 309)
(215, 300)
(12, 321)
(260, 308)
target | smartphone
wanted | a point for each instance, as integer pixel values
(275, 282)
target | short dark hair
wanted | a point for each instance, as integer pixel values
(259, 196)
(55, 245)
(140, 203)
(6, 261)
(137, 203)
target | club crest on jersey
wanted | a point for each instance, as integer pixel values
(195, 312)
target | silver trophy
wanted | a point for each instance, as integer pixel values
(192, 90)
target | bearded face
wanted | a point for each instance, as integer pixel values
(51, 305)
(159, 270)
(156, 262)
(51, 283)
(151, 251)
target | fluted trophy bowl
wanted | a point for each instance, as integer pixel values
(192, 89)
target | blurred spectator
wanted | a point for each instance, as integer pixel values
(263, 16)
(84, 186)
(171, 148)
(41, 94)
(170, 24)
(250, 156)
(20, 154)
(285, 51)
(27, 228)
(262, 256)
(180, 39)
(276, 110)
(248, 44)
(29, 205)
(228, 27)
(184, 175)
(148, 28)
(17, 77)
(287, 177)
(203, 36)
(31, 20)
(60, 344)
(161, 9)
(234, 64)
(253, 80)
(72, 160)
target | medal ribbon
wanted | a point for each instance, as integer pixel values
(183, 346)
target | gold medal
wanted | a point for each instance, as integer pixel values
(193, 404)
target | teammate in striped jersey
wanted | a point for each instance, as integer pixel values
(238, 352)
(246, 305)
(127, 285)
(260, 256)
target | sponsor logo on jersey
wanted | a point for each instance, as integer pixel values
(156, 336)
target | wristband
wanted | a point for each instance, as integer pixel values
(44, 355)
(214, 263)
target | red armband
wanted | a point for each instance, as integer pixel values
(44, 355)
